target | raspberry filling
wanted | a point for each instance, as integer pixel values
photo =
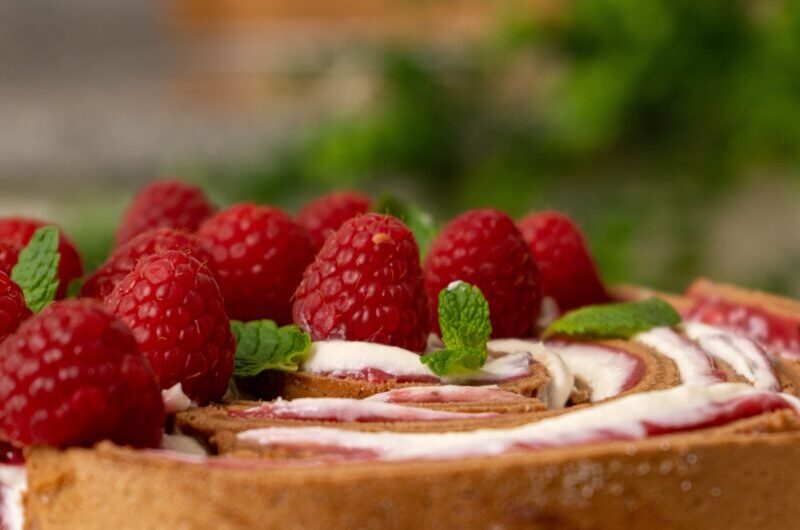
(779, 333)
(744, 355)
(696, 367)
(556, 392)
(631, 418)
(348, 410)
(607, 371)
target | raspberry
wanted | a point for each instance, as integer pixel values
(10, 455)
(164, 204)
(12, 306)
(569, 275)
(124, 258)
(73, 375)
(324, 216)
(17, 231)
(9, 254)
(260, 255)
(366, 284)
(485, 249)
(174, 307)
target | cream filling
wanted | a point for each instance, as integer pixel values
(445, 394)
(745, 356)
(180, 443)
(632, 417)
(694, 365)
(558, 389)
(175, 400)
(13, 483)
(549, 312)
(343, 358)
(605, 371)
(354, 410)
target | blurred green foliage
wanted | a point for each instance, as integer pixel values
(637, 117)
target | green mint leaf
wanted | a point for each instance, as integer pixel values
(464, 316)
(453, 362)
(36, 272)
(418, 221)
(615, 321)
(262, 345)
(464, 321)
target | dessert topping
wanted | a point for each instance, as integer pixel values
(445, 394)
(466, 327)
(568, 273)
(350, 410)
(366, 285)
(485, 248)
(36, 272)
(632, 417)
(173, 305)
(420, 222)
(262, 345)
(615, 320)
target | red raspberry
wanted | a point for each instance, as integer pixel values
(124, 258)
(260, 254)
(485, 249)
(174, 307)
(73, 375)
(17, 231)
(366, 284)
(12, 306)
(9, 254)
(164, 204)
(10, 455)
(324, 216)
(569, 275)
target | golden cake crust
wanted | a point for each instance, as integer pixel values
(725, 478)
(624, 292)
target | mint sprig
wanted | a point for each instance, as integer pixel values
(466, 328)
(418, 221)
(615, 321)
(36, 271)
(262, 345)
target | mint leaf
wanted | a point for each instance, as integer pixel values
(615, 321)
(464, 316)
(418, 221)
(36, 271)
(262, 345)
(458, 361)
(464, 321)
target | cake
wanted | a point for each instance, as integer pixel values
(481, 387)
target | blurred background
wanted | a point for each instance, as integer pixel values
(669, 129)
